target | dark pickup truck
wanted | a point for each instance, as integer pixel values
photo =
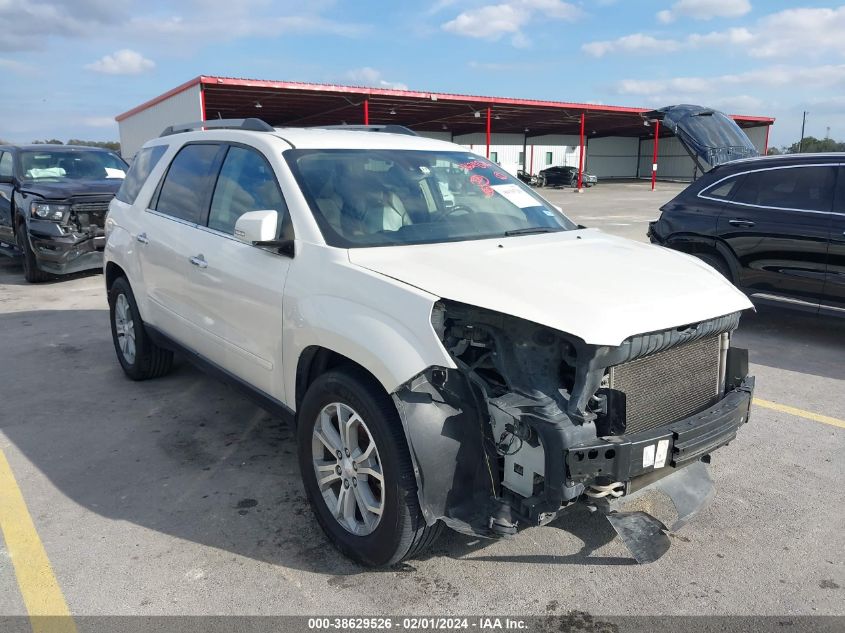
(53, 205)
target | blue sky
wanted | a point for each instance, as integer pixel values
(70, 66)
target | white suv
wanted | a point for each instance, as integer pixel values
(451, 347)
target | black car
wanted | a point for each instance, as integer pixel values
(565, 176)
(53, 204)
(774, 225)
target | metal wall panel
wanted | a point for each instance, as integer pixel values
(135, 130)
(612, 157)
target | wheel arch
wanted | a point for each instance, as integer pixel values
(692, 244)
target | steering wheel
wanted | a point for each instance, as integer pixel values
(447, 211)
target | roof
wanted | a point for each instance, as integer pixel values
(286, 103)
(317, 138)
(825, 157)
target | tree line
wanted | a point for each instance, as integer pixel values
(810, 145)
(112, 145)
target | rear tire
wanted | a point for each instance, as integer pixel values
(716, 262)
(31, 272)
(350, 398)
(139, 356)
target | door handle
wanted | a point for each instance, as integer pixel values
(744, 223)
(198, 260)
(142, 237)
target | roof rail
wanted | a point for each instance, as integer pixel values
(251, 124)
(388, 128)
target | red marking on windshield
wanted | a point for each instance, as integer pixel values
(500, 175)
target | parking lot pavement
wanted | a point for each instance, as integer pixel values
(177, 496)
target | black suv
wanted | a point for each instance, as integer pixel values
(773, 225)
(53, 204)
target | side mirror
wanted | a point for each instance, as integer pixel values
(256, 226)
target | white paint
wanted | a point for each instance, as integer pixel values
(648, 456)
(254, 312)
(660, 454)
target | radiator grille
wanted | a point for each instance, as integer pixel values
(669, 385)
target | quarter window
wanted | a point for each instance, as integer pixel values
(724, 189)
(246, 183)
(144, 162)
(805, 188)
(6, 167)
(185, 188)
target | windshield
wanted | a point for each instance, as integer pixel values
(71, 165)
(366, 198)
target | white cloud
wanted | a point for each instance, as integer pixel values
(183, 23)
(705, 10)
(634, 43)
(17, 67)
(815, 77)
(99, 121)
(813, 33)
(493, 21)
(800, 31)
(122, 62)
(367, 76)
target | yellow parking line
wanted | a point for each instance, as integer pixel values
(809, 415)
(38, 585)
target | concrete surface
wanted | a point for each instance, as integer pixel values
(177, 496)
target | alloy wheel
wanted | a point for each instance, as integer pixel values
(124, 327)
(348, 468)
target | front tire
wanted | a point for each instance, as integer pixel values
(31, 272)
(139, 356)
(357, 470)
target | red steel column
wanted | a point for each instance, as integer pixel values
(366, 111)
(581, 156)
(488, 132)
(654, 154)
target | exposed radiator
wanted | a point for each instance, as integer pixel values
(669, 385)
(91, 213)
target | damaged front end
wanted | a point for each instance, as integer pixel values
(532, 420)
(77, 242)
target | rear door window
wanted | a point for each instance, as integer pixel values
(145, 161)
(186, 187)
(803, 188)
(246, 183)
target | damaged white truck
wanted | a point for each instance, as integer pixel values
(452, 348)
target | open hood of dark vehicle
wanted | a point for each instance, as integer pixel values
(64, 189)
(711, 137)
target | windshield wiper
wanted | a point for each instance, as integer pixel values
(529, 230)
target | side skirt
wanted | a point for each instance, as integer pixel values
(263, 400)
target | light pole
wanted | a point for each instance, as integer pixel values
(803, 124)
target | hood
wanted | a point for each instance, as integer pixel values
(709, 136)
(595, 286)
(64, 189)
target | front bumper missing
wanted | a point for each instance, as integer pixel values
(643, 455)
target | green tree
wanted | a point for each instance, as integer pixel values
(52, 141)
(811, 144)
(112, 145)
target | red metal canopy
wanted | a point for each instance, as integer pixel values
(283, 103)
